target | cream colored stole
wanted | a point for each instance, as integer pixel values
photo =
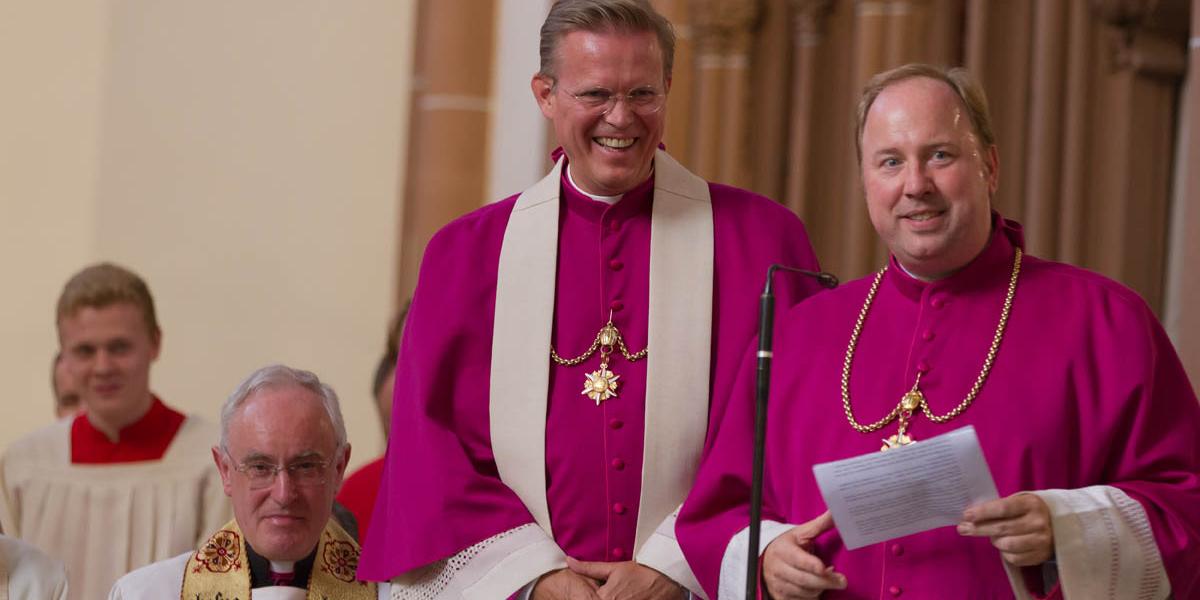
(220, 570)
(679, 340)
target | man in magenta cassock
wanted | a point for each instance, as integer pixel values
(553, 384)
(1085, 416)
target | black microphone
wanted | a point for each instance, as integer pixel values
(766, 325)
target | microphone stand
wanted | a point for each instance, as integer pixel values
(766, 325)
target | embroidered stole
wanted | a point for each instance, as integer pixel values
(220, 570)
(679, 339)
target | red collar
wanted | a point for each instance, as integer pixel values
(145, 439)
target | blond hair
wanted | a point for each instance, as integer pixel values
(105, 284)
(960, 81)
(601, 16)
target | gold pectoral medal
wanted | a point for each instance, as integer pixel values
(910, 402)
(914, 400)
(601, 384)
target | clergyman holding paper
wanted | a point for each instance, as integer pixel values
(1084, 414)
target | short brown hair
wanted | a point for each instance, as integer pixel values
(105, 284)
(604, 15)
(959, 80)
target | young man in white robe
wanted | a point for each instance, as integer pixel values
(127, 481)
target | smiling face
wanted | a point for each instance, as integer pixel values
(108, 351)
(281, 426)
(927, 181)
(610, 153)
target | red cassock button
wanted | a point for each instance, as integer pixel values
(617, 553)
(618, 508)
(923, 367)
(614, 226)
(616, 423)
(938, 302)
(616, 305)
(897, 550)
(616, 265)
(618, 464)
(927, 335)
(895, 590)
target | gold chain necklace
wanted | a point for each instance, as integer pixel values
(914, 399)
(601, 384)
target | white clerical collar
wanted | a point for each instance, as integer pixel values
(283, 566)
(910, 273)
(280, 593)
(606, 199)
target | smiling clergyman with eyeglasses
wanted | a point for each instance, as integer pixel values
(282, 456)
(548, 420)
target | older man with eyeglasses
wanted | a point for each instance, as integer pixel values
(553, 383)
(282, 455)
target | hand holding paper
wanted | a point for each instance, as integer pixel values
(883, 496)
(1019, 527)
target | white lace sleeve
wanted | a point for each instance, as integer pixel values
(733, 563)
(1103, 545)
(494, 568)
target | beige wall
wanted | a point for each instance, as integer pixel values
(244, 157)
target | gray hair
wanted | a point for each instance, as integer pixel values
(276, 376)
(604, 15)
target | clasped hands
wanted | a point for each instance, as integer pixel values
(1018, 526)
(607, 581)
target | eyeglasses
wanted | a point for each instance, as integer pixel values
(262, 474)
(643, 101)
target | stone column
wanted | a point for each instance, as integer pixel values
(448, 138)
(723, 33)
(1146, 42)
(682, 101)
(807, 31)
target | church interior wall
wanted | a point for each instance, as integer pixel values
(245, 158)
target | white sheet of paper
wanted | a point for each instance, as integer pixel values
(885, 495)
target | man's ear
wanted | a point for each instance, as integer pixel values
(224, 468)
(340, 465)
(155, 344)
(991, 161)
(543, 92)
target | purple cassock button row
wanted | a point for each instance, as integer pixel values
(616, 265)
(618, 464)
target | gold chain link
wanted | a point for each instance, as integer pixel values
(983, 373)
(620, 344)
